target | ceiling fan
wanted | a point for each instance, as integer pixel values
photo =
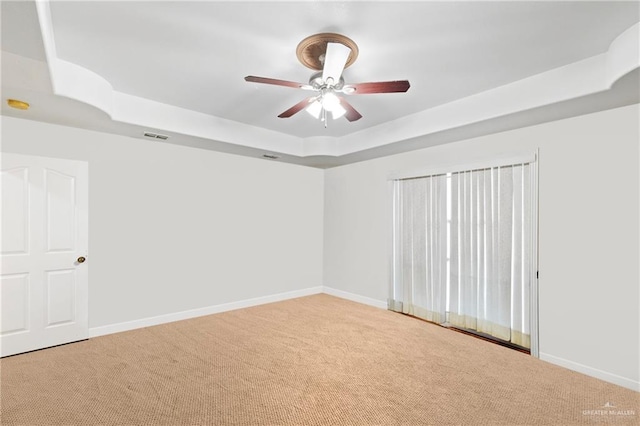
(329, 54)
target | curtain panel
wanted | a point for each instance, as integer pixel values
(420, 220)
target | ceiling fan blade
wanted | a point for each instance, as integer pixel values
(296, 108)
(276, 82)
(379, 87)
(335, 58)
(351, 114)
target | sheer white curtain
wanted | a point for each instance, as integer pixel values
(490, 251)
(420, 248)
(463, 250)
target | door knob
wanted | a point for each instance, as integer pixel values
(81, 259)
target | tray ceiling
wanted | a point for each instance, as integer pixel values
(178, 68)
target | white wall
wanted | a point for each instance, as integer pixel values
(588, 233)
(174, 228)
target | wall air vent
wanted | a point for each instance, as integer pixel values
(270, 156)
(156, 136)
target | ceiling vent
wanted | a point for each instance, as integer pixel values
(156, 136)
(270, 156)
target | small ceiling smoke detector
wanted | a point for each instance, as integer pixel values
(270, 156)
(156, 136)
(14, 103)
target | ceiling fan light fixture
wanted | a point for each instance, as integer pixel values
(327, 102)
(331, 103)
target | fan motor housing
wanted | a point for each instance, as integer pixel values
(318, 83)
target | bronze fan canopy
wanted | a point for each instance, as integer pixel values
(329, 54)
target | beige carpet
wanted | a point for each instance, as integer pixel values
(316, 360)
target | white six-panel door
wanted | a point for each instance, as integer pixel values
(44, 280)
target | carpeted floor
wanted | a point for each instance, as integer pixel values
(317, 360)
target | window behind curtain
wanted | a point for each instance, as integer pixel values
(463, 249)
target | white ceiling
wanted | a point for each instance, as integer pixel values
(194, 55)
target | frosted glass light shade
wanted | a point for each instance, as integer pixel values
(338, 111)
(315, 108)
(330, 101)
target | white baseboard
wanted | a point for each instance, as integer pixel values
(593, 372)
(193, 313)
(209, 310)
(355, 297)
